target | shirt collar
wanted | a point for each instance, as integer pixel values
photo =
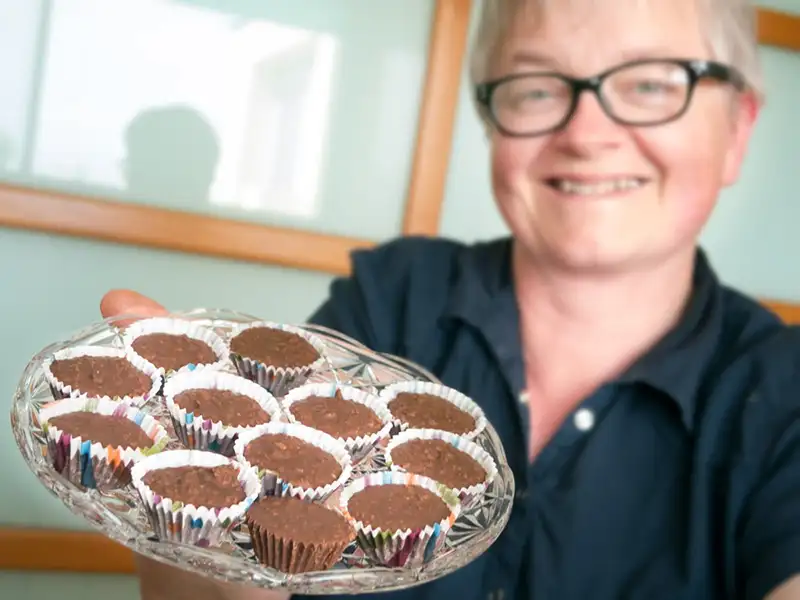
(676, 365)
(483, 297)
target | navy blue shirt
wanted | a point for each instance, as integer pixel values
(680, 479)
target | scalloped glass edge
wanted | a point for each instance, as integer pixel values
(91, 505)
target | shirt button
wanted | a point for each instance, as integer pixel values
(583, 419)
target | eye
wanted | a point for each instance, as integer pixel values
(540, 94)
(652, 87)
(528, 95)
(539, 91)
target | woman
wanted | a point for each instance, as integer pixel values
(647, 411)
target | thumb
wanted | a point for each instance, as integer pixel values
(128, 302)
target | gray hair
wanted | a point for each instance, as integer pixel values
(730, 31)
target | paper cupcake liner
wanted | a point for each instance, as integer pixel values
(271, 482)
(185, 523)
(198, 433)
(278, 380)
(360, 446)
(178, 327)
(93, 465)
(292, 557)
(61, 390)
(453, 396)
(406, 548)
(467, 495)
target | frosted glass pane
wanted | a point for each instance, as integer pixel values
(19, 35)
(299, 113)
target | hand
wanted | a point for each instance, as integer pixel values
(128, 302)
(158, 581)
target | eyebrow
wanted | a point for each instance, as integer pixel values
(527, 57)
(531, 57)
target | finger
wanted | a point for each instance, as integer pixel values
(128, 302)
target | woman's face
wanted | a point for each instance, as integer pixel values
(557, 191)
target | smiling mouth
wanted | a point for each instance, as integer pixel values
(595, 188)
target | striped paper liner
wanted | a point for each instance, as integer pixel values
(61, 390)
(451, 395)
(178, 327)
(360, 446)
(90, 464)
(198, 433)
(273, 484)
(185, 523)
(278, 380)
(406, 548)
(467, 495)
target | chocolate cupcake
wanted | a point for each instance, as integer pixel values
(356, 418)
(444, 457)
(194, 497)
(210, 408)
(294, 460)
(293, 536)
(277, 357)
(425, 405)
(401, 519)
(101, 372)
(94, 442)
(175, 346)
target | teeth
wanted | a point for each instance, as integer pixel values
(604, 187)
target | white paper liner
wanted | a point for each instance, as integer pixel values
(278, 380)
(406, 548)
(360, 446)
(198, 433)
(271, 482)
(185, 523)
(289, 556)
(61, 390)
(93, 465)
(467, 495)
(178, 327)
(453, 396)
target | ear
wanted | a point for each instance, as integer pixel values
(744, 113)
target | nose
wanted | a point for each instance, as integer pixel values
(590, 128)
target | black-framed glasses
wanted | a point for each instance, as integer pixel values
(640, 93)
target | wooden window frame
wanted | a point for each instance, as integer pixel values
(28, 549)
(23, 207)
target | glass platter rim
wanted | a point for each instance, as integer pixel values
(351, 580)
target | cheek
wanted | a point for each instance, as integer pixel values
(512, 164)
(690, 166)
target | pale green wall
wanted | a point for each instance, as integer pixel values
(51, 285)
(66, 586)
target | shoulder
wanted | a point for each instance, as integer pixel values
(752, 333)
(399, 289)
(395, 261)
(754, 385)
(756, 426)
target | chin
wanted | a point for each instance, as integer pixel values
(590, 260)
